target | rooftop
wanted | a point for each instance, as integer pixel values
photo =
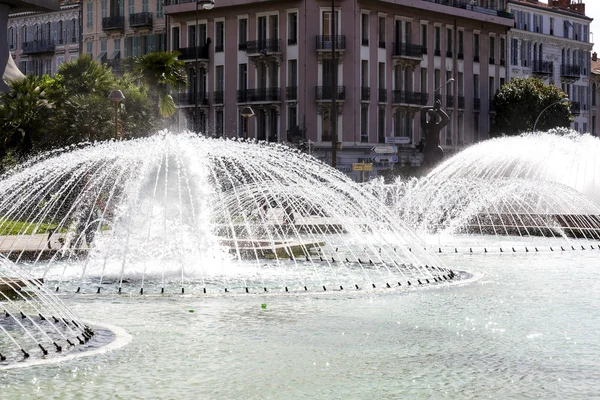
(575, 8)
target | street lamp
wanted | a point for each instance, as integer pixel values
(246, 112)
(561, 101)
(206, 5)
(444, 85)
(116, 96)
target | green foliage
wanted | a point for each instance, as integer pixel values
(520, 102)
(39, 114)
(161, 72)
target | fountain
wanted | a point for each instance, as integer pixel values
(535, 186)
(181, 213)
(34, 319)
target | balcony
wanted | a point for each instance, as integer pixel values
(113, 23)
(38, 47)
(324, 43)
(382, 98)
(263, 47)
(543, 67)
(570, 71)
(326, 93)
(365, 93)
(407, 50)
(291, 93)
(140, 20)
(189, 98)
(258, 95)
(412, 98)
(218, 96)
(575, 108)
(189, 53)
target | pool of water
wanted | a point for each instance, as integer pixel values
(527, 327)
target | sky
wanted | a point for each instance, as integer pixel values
(592, 10)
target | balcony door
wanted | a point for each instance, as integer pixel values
(262, 29)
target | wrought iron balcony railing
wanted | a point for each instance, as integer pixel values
(543, 67)
(324, 42)
(570, 71)
(189, 98)
(291, 93)
(407, 50)
(382, 96)
(140, 19)
(365, 93)
(326, 92)
(263, 46)
(259, 94)
(113, 23)
(38, 46)
(189, 53)
(407, 97)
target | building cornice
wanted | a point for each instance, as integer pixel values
(549, 39)
(551, 10)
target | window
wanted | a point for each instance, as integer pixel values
(364, 73)
(88, 48)
(514, 52)
(131, 7)
(437, 44)
(292, 119)
(292, 80)
(423, 80)
(476, 47)
(381, 75)
(60, 34)
(364, 29)
(381, 32)
(219, 123)
(175, 38)
(381, 125)
(551, 26)
(461, 37)
(23, 35)
(145, 7)
(103, 50)
(48, 69)
(73, 30)
(60, 60)
(364, 121)
(219, 33)
(104, 8)
(449, 42)
(476, 86)
(502, 51)
(424, 37)
(219, 78)
(274, 21)
(242, 33)
(160, 12)
(492, 49)
(293, 28)
(243, 77)
(326, 125)
(90, 15)
(11, 38)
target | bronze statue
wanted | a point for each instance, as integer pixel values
(431, 128)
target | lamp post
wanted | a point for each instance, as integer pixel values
(334, 138)
(206, 5)
(246, 112)
(116, 96)
(561, 101)
(444, 85)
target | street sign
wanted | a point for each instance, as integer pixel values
(397, 139)
(362, 167)
(383, 159)
(385, 149)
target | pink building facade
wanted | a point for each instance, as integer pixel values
(393, 58)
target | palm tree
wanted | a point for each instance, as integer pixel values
(85, 76)
(161, 71)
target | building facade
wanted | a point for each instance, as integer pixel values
(40, 41)
(595, 92)
(552, 41)
(115, 30)
(393, 57)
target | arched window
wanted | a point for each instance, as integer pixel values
(11, 38)
(36, 32)
(23, 34)
(61, 38)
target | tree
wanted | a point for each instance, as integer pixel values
(520, 102)
(161, 71)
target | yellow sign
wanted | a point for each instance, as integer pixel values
(362, 166)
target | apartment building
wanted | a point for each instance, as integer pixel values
(392, 59)
(114, 30)
(552, 41)
(40, 41)
(595, 92)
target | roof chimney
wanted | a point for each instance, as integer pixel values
(594, 56)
